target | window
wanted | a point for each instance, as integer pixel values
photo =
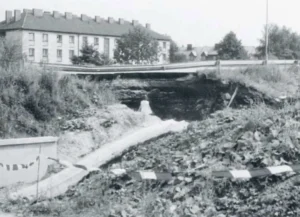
(45, 52)
(96, 41)
(31, 36)
(45, 37)
(164, 44)
(71, 53)
(85, 40)
(59, 55)
(31, 52)
(59, 38)
(164, 57)
(106, 46)
(72, 39)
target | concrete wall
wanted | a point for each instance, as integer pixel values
(25, 151)
(38, 45)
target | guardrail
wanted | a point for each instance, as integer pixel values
(235, 63)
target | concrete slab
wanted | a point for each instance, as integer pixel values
(58, 184)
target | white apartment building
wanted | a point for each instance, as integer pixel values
(52, 37)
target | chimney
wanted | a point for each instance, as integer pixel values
(68, 16)
(98, 19)
(110, 20)
(84, 17)
(134, 22)
(8, 16)
(148, 25)
(17, 15)
(189, 47)
(121, 21)
(37, 12)
(27, 11)
(55, 14)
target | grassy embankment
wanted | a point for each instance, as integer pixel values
(248, 138)
(33, 101)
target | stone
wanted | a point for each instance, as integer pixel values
(227, 96)
(257, 136)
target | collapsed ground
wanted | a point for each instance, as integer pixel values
(252, 137)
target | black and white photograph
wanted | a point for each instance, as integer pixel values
(149, 108)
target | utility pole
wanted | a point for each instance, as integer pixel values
(267, 32)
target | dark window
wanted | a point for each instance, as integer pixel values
(72, 39)
(71, 53)
(45, 37)
(45, 52)
(106, 46)
(31, 36)
(31, 52)
(96, 41)
(59, 38)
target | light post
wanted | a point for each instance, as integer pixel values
(267, 32)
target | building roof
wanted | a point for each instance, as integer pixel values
(198, 51)
(47, 22)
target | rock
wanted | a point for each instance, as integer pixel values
(257, 136)
(227, 96)
(274, 133)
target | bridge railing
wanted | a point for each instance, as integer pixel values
(178, 66)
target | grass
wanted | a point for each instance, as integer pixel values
(32, 100)
(274, 81)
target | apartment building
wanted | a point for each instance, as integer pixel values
(53, 37)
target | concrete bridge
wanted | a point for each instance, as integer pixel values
(182, 68)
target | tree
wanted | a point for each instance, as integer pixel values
(90, 55)
(10, 53)
(137, 46)
(283, 43)
(231, 48)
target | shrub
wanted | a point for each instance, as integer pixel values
(90, 55)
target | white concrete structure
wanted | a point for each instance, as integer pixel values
(54, 37)
(18, 159)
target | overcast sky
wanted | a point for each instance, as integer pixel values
(199, 22)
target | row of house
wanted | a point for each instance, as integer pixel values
(207, 53)
(53, 37)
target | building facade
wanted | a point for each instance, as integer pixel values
(52, 37)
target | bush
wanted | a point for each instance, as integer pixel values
(90, 55)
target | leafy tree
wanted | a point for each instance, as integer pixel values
(137, 46)
(10, 53)
(283, 43)
(90, 55)
(231, 48)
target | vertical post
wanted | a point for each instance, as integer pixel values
(267, 31)
(218, 64)
(38, 174)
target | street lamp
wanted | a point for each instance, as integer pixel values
(267, 31)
